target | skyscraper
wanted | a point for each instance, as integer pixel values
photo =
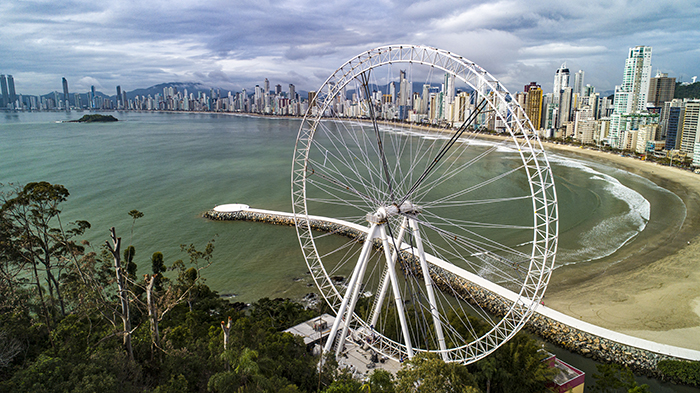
(672, 125)
(405, 91)
(292, 92)
(561, 81)
(631, 96)
(578, 83)
(5, 95)
(533, 104)
(11, 86)
(691, 126)
(565, 102)
(120, 104)
(66, 96)
(661, 89)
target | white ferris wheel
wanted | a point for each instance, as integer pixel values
(404, 226)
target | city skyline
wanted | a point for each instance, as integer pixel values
(133, 45)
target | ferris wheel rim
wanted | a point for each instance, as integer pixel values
(522, 309)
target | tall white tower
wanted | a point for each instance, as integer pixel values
(578, 83)
(632, 94)
(561, 81)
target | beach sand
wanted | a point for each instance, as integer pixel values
(653, 292)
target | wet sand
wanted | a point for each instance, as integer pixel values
(653, 289)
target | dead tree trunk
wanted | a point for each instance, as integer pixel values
(122, 284)
(152, 312)
(227, 329)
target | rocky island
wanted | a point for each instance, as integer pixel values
(95, 119)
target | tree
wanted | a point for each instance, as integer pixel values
(122, 285)
(613, 378)
(35, 244)
(426, 372)
(381, 381)
(516, 366)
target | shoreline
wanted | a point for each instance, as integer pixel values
(653, 291)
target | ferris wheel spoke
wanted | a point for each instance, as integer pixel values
(480, 242)
(444, 150)
(475, 187)
(474, 202)
(448, 175)
(496, 259)
(380, 146)
(338, 157)
(350, 155)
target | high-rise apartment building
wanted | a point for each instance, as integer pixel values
(120, 104)
(691, 125)
(405, 90)
(533, 104)
(578, 83)
(631, 96)
(11, 87)
(292, 92)
(561, 81)
(66, 96)
(661, 89)
(5, 95)
(565, 102)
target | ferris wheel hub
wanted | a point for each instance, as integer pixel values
(384, 212)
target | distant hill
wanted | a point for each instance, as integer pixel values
(687, 91)
(191, 87)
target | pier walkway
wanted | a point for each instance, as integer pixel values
(571, 333)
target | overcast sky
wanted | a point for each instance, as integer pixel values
(235, 44)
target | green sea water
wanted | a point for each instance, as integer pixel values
(173, 167)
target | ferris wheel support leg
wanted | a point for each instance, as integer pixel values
(429, 289)
(359, 270)
(385, 283)
(362, 262)
(397, 294)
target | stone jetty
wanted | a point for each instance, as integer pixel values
(642, 356)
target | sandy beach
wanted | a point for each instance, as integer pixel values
(653, 292)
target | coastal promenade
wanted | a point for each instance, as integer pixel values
(566, 331)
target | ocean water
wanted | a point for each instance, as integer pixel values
(173, 167)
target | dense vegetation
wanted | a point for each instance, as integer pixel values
(687, 91)
(681, 371)
(96, 118)
(78, 318)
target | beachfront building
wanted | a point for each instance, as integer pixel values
(672, 123)
(661, 89)
(690, 126)
(533, 99)
(647, 133)
(631, 96)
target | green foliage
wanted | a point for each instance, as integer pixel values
(514, 367)
(681, 371)
(613, 378)
(381, 381)
(280, 313)
(687, 91)
(426, 372)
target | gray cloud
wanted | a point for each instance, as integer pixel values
(137, 44)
